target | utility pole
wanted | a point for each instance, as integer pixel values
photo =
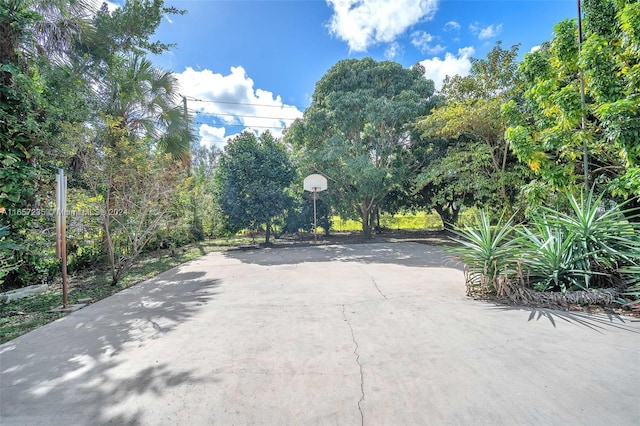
(585, 152)
(187, 159)
(195, 223)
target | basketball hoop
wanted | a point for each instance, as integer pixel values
(315, 183)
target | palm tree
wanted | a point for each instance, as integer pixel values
(31, 28)
(143, 100)
(137, 102)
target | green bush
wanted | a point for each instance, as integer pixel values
(7, 247)
(557, 250)
(83, 256)
(487, 250)
(603, 234)
(36, 257)
(300, 217)
(631, 297)
(550, 260)
(588, 241)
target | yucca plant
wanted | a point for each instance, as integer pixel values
(550, 260)
(487, 250)
(604, 234)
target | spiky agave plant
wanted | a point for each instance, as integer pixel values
(602, 237)
(487, 250)
(550, 260)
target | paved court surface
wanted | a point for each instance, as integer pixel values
(372, 334)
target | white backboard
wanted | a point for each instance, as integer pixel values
(315, 183)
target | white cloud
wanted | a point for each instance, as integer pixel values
(363, 23)
(535, 48)
(437, 69)
(95, 5)
(422, 40)
(484, 33)
(233, 101)
(490, 32)
(112, 6)
(212, 136)
(92, 7)
(451, 25)
(393, 51)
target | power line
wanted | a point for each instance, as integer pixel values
(241, 125)
(239, 115)
(213, 101)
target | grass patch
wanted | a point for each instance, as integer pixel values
(23, 315)
(399, 222)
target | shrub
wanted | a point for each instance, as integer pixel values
(550, 260)
(631, 297)
(557, 251)
(603, 234)
(487, 250)
(7, 262)
(83, 255)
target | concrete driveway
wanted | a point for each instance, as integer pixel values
(371, 334)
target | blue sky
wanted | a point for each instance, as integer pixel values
(253, 64)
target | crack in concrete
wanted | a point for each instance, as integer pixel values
(375, 284)
(378, 288)
(355, 352)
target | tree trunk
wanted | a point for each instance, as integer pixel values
(455, 212)
(8, 52)
(448, 214)
(366, 222)
(108, 245)
(267, 233)
(443, 216)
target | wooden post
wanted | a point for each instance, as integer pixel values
(61, 230)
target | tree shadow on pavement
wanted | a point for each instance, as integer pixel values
(400, 253)
(76, 370)
(598, 322)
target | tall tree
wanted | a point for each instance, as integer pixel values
(205, 218)
(32, 36)
(453, 173)
(31, 28)
(252, 182)
(136, 186)
(546, 123)
(143, 99)
(53, 54)
(31, 33)
(356, 131)
(464, 157)
(127, 29)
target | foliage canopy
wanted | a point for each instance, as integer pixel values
(252, 182)
(357, 130)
